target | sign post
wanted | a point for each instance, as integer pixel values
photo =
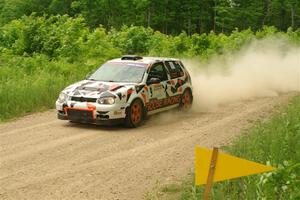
(213, 166)
(211, 173)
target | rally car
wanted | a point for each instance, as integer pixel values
(127, 90)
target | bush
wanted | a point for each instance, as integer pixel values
(131, 40)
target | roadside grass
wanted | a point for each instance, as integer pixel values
(275, 142)
(33, 84)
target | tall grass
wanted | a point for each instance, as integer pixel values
(275, 142)
(33, 84)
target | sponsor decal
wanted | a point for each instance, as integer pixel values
(157, 86)
(160, 103)
(118, 113)
(135, 65)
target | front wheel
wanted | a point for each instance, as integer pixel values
(186, 101)
(134, 114)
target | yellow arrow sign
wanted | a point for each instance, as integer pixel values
(227, 166)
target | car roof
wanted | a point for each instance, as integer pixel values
(144, 60)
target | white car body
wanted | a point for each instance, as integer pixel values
(91, 101)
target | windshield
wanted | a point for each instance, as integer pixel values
(119, 72)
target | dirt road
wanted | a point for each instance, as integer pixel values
(44, 158)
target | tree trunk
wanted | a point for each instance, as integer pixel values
(215, 15)
(148, 17)
(189, 27)
(199, 25)
(292, 16)
(267, 11)
(166, 20)
(222, 25)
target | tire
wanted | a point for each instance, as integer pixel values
(134, 114)
(186, 101)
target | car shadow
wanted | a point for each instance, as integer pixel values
(160, 119)
(118, 127)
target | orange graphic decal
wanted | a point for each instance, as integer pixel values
(144, 97)
(91, 106)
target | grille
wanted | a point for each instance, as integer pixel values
(84, 99)
(85, 116)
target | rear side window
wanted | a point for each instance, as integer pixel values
(174, 69)
(158, 71)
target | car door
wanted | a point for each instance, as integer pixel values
(156, 92)
(177, 78)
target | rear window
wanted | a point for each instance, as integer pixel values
(174, 69)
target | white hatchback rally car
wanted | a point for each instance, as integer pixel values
(126, 90)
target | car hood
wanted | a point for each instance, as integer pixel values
(95, 89)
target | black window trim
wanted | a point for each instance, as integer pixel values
(164, 68)
(169, 73)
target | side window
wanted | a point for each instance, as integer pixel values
(158, 71)
(175, 69)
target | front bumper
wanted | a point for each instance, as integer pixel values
(107, 122)
(91, 113)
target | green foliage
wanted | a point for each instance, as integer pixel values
(41, 55)
(131, 40)
(160, 44)
(275, 142)
(169, 17)
(54, 36)
(30, 84)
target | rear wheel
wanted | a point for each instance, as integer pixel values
(186, 100)
(134, 114)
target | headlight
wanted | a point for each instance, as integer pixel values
(106, 100)
(62, 97)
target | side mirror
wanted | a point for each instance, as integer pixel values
(153, 81)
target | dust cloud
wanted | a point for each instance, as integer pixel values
(262, 69)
